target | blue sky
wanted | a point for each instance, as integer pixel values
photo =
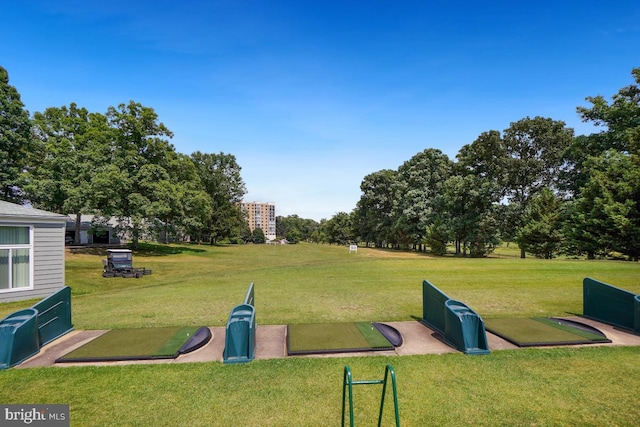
(312, 96)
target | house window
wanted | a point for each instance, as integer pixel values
(15, 257)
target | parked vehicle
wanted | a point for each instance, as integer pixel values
(119, 263)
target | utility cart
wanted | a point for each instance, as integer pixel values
(119, 263)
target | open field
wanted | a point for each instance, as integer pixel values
(198, 285)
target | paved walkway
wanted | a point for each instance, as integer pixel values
(271, 344)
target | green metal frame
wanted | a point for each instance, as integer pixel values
(460, 326)
(249, 298)
(24, 332)
(54, 316)
(240, 334)
(608, 304)
(348, 384)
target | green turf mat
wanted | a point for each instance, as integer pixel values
(130, 344)
(308, 338)
(172, 346)
(527, 332)
(373, 336)
(573, 329)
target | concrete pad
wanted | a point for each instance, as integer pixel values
(211, 351)
(618, 336)
(271, 343)
(417, 338)
(498, 343)
(58, 348)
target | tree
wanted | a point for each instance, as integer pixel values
(468, 207)
(535, 151)
(221, 180)
(485, 157)
(294, 229)
(195, 204)
(620, 120)
(620, 123)
(606, 212)
(244, 234)
(437, 236)
(339, 229)
(419, 182)
(73, 144)
(257, 236)
(542, 233)
(373, 214)
(138, 161)
(177, 201)
(16, 143)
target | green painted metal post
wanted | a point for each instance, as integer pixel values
(389, 371)
(348, 383)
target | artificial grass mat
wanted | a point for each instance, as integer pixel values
(133, 344)
(541, 331)
(309, 338)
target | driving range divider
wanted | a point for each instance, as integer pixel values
(608, 304)
(458, 324)
(24, 332)
(347, 386)
(240, 333)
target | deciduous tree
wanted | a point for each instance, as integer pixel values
(16, 142)
(221, 180)
(73, 145)
(140, 156)
(420, 180)
(535, 151)
(373, 214)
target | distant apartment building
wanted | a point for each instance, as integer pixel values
(262, 216)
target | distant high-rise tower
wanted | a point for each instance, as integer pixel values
(262, 216)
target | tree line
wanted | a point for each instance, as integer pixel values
(118, 164)
(535, 184)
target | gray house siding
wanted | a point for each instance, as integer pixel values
(48, 271)
(48, 254)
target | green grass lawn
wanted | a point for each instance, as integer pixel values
(198, 285)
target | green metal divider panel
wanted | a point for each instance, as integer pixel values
(465, 328)
(54, 316)
(18, 337)
(636, 308)
(433, 311)
(240, 335)
(24, 332)
(611, 305)
(460, 325)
